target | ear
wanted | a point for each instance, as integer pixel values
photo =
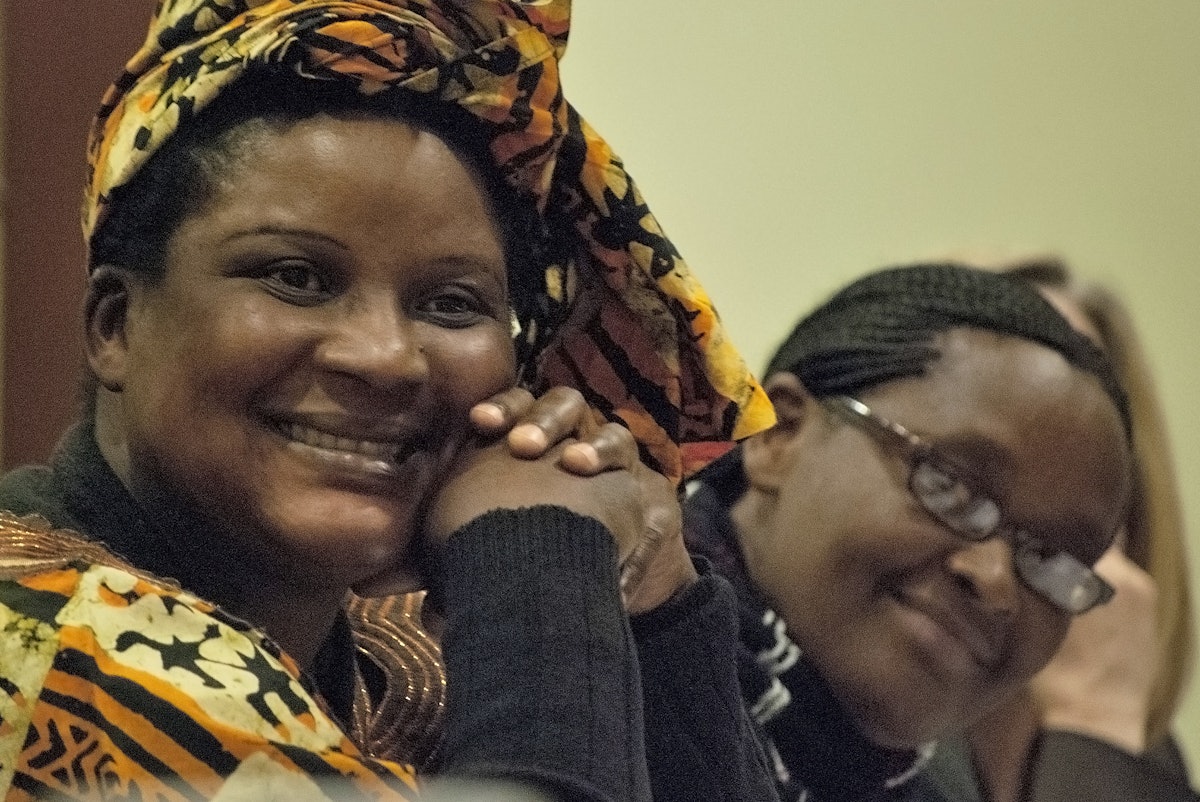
(105, 314)
(768, 457)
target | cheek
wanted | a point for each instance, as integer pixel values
(471, 365)
(191, 383)
(845, 537)
(215, 347)
(818, 569)
(1036, 638)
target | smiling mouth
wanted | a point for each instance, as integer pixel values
(934, 626)
(380, 457)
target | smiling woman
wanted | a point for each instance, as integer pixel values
(310, 249)
(298, 372)
(914, 535)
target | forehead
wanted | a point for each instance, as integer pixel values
(369, 152)
(374, 184)
(1041, 434)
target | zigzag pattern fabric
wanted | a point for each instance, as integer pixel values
(622, 318)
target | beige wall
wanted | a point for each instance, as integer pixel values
(789, 149)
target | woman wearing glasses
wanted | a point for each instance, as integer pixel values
(912, 539)
(1117, 681)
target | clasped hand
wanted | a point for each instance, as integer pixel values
(553, 450)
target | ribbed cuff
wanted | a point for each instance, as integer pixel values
(542, 677)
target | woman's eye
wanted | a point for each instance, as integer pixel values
(298, 281)
(951, 499)
(982, 516)
(455, 309)
(939, 489)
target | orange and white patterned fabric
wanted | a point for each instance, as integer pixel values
(118, 685)
(624, 320)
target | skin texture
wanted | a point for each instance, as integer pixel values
(918, 631)
(347, 281)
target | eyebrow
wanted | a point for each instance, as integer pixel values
(283, 231)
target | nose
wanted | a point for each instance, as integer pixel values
(985, 570)
(376, 343)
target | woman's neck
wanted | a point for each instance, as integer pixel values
(1001, 745)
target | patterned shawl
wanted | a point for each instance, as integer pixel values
(623, 320)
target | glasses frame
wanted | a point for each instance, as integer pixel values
(917, 452)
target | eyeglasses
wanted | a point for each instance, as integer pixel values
(1061, 579)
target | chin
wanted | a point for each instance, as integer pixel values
(346, 546)
(899, 724)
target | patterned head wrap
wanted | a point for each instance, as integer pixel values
(622, 318)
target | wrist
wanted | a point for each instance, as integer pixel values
(660, 587)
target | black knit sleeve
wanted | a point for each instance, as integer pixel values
(700, 741)
(543, 684)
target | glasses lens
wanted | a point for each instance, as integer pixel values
(954, 503)
(1066, 582)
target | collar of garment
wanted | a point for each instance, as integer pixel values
(815, 745)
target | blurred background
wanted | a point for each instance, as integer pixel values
(786, 146)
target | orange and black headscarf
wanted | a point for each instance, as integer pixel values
(640, 339)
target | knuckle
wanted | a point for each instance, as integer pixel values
(513, 400)
(561, 394)
(619, 434)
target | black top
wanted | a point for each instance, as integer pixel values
(1067, 766)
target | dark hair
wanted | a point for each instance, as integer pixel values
(882, 327)
(182, 176)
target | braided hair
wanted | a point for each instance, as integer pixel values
(883, 327)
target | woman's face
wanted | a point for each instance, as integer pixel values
(917, 630)
(324, 324)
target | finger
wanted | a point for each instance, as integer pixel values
(612, 447)
(660, 566)
(633, 570)
(554, 416)
(660, 516)
(501, 411)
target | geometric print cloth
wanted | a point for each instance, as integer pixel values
(115, 684)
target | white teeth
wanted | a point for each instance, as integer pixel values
(376, 449)
(318, 439)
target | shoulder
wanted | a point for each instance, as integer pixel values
(26, 489)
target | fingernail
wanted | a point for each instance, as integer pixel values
(587, 453)
(487, 414)
(530, 434)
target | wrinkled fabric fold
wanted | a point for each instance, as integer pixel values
(621, 316)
